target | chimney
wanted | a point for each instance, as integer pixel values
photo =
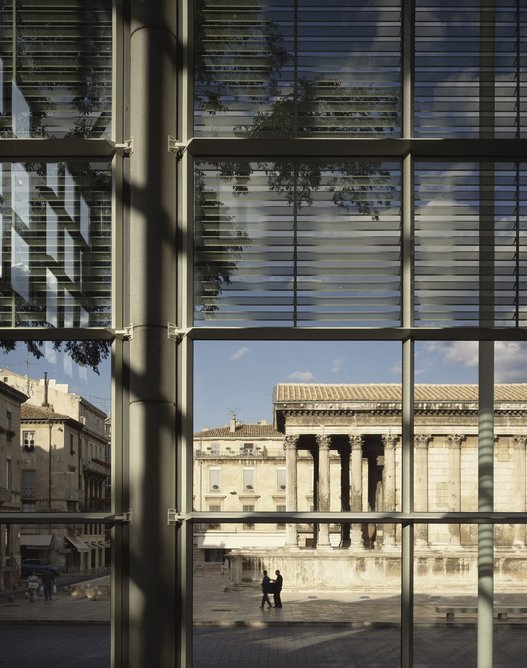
(234, 422)
(45, 403)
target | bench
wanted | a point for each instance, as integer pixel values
(499, 611)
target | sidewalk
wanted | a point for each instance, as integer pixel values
(215, 607)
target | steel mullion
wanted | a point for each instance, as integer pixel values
(326, 149)
(355, 333)
(51, 149)
(411, 518)
(57, 334)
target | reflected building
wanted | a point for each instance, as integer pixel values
(338, 448)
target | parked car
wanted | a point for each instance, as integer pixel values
(37, 566)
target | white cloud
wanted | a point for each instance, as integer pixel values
(458, 352)
(239, 353)
(510, 362)
(302, 376)
(337, 365)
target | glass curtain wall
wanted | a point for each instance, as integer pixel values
(276, 178)
(300, 223)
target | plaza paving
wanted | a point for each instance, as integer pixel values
(313, 629)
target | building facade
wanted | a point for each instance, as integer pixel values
(336, 448)
(64, 467)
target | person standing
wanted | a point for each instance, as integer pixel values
(48, 581)
(278, 583)
(266, 587)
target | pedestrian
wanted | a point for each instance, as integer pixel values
(33, 583)
(266, 588)
(223, 567)
(278, 583)
(48, 580)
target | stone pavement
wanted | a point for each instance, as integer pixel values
(331, 629)
(217, 607)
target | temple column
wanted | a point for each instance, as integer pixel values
(421, 484)
(290, 446)
(454, 484)
(356, 487)
(518, 485)
(389, 486)
(323, 487)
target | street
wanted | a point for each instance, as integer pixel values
(24, 646)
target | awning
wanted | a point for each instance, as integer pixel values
(77, 543)
(42, 540)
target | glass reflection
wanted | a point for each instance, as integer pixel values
(302, 69)
(293, 243)
(56, 244)
(57, 79)
(470, 244)
(470, 69)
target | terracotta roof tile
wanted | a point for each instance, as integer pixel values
(242, 431)
(379, 392)
(29, 412)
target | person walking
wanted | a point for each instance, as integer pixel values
(33, 583)
(278, 584)
(266, 587)
(48, 580)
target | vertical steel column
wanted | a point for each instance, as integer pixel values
(119, 434)
(152, 610)
(407, 293)
(487, 111)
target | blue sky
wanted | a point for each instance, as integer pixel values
(81, 380)
(239, 376)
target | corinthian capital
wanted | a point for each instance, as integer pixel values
(520, 442)
(290, 442)
(422, 441)
(355, 441)
(323, 441)
(455, 440)
(390, 440)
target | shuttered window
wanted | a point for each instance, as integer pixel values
(471, 244)
(470, 68)
(55, 68)
(295, 243)
(297, 69)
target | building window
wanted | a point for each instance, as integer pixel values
(248, 480)
(29, 507)
(28, 440)
(9, 476)
(280, 508)
(281, 480)
(214, 480)
(214, 508)
(29, 485)
(72, 448)
(248, 449)
(248, 508)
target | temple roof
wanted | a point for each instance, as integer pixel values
(379, 392)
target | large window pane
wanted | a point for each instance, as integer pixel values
(446, 438)
(510, 421)
(303, 69)
(446, 598)
(470, 240)
(54, 429)
(77, 618)
(297, 243)
(470, 69)
(320, 589)
(55, 244)
(56, 80)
